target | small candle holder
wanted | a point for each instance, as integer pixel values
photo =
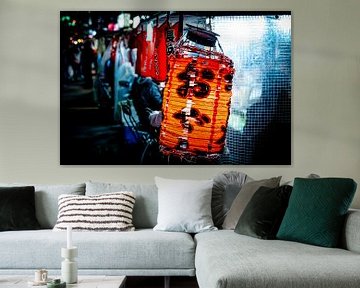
(69, 270)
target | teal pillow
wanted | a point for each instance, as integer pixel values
(316, 211)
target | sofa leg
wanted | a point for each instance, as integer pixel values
(167, 282)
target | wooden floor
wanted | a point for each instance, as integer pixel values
(158, 282)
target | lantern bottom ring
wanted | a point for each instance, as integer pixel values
(190, 157)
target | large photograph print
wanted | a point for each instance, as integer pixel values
(175, 87)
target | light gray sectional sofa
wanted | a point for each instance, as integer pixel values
(219, 259)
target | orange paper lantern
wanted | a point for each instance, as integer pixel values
(196, 103)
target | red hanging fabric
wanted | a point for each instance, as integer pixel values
(136, 43)
(160, 53)
(145, 53)
(152, 56)
(147, 56)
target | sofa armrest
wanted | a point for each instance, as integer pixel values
(351, 233)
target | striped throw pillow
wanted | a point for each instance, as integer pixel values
(105, 212)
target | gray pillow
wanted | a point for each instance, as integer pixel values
(243, 198)
(226, 187)
(46, 200)
(184, 205)
(146, 204)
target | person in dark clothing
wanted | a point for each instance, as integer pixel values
(147, 100)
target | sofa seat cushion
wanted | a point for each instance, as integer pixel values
(226, 259)
(136, 250)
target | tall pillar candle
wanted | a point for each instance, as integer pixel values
(69, 237)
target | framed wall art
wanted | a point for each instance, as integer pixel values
(175, 87)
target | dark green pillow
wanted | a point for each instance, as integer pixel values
(316, 211)
(17, 208)
(264, 212)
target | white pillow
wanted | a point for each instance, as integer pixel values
(184, 205)
(104, 212)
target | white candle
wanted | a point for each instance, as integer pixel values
(69, 240)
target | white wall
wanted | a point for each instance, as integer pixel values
(326, 91)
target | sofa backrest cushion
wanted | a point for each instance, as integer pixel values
(350, 238)
(46, 200)
(146, 204)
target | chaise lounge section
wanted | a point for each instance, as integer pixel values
(226, 259)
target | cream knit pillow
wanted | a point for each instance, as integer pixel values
(105, 212)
